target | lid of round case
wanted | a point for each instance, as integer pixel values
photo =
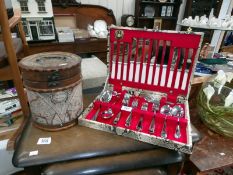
(50, 69)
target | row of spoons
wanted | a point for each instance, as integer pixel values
(167, 110)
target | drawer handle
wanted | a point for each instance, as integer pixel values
(55, 75)
(53, 83)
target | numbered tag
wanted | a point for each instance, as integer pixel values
(126, 108)
(33, 153)
(44, 141)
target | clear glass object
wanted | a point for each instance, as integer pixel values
(215, 111)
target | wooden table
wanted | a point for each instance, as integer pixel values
(213, 151)
(91, 151)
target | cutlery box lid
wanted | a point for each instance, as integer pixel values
(161, 61)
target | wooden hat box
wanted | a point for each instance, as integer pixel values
(54, 87)
(146, 93)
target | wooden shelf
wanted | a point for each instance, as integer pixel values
(206, 27)
(161, 17)
(160, 3)
(167, 22)
(12, 70)
(7, 132)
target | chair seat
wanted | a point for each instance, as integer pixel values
(17, 42)
(147, 171)
(117, 163)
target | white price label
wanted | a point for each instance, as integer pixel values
(33, 153)
(126, 108)
(44, 141)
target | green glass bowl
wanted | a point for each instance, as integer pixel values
(214, 114)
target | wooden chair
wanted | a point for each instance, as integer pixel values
(11, 71)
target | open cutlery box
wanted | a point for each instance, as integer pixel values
(146, 93)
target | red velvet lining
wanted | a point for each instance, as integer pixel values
(116, 103)
(138, 39)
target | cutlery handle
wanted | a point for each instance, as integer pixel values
(96, 115)
(177, 134)
(139, 126)
(152, 126)
(128, 120)
(164, 132)
(115, 121)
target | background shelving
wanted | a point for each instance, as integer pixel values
(164, 13)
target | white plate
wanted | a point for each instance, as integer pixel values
(149, 11)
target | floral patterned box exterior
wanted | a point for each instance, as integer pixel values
(54, 89)
(146, 93)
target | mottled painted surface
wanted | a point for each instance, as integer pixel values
(56, 108)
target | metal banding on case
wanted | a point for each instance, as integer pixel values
(54, 87)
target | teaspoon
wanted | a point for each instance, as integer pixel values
(166, 110)
(107, 113)
(105, 96)
(178, 112)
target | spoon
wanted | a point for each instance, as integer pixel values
(152, 124)
(153, 99)
(107, 113)
(105, 96)
(178, 112)
(166, 110)
(155, 107)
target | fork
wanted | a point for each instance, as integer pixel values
(129, 118)
(125, 102)
(143, 108)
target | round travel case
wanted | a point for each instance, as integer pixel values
(54, 87)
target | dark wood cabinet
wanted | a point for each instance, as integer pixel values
(157, 14)
(84, 48)
(200, 8)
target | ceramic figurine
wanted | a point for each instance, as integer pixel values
(196, 20)
(203, 20)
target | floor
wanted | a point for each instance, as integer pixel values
(6, 167)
